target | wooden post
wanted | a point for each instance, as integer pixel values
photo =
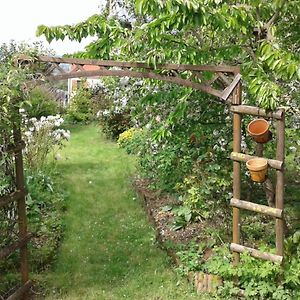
(279, 198)
(21, 206)
(259, 150)
(237, 120)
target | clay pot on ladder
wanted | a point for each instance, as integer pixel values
(259, 130)
(258, 168)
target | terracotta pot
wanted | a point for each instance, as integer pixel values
(259, 130)
(258, 168)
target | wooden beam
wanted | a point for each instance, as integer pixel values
(150, 75)
(256, 253)
(263, 209)
(15, 196)
(13, 148)
(17, 295)
(273, 163)
(255, 111)
(227, 92)
(112, 63)
(15, 246)
(224, 79)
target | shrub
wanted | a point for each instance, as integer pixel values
(80, 109)
(131, 140)
(114, 121)
(42, 103)
(42, 137)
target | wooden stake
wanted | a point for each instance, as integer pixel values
(279, 197)
(21, 206)
(237, 120)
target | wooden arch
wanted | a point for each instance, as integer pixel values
(223, 82)
(219, 81)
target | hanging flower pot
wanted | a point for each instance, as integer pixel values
(258, 168)
(259, 130)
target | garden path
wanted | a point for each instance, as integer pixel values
(109, 250)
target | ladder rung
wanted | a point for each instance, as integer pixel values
(256, 253)
(273, 163)
(255, 111)
(263, 209)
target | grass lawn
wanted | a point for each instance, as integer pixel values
(109, 250)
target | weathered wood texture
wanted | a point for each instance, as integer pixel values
(227, 77)
(278, 164)
(15, 246)
(112, 63)
(279, 196)
(19, 293)
(21, 207)
(256, 253)
(255, 111)
(150, 75)
(19, 197)
(15, 196)
(228, 91)
(205, 283)
(263, 209)
(237, 123)
(13, 148)
(273, 163)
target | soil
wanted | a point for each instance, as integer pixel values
(162, 220)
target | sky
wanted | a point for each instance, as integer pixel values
(19, 20)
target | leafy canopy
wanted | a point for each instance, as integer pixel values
(261, 36)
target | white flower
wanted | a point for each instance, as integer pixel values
(105, 113)
(293, 149)
(157, 119)
(215, 132)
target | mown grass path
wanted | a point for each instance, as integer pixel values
(108, 250)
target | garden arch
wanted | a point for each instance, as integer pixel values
(223, 82)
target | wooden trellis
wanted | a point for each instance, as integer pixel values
(221, 82)
(18, 196)
(278, 164)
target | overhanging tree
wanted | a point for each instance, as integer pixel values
(261, 36)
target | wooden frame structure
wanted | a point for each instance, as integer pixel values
(18, 196)
(223, 82)
(277, 212)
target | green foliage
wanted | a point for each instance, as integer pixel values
(80, 108)
(251, 34)
(115, 115)
(45, 203)
(131, 140)
(258, 278)
(41, 104)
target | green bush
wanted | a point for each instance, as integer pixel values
(80, 109)
(42, 103)
(131, 140)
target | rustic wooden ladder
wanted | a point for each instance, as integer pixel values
(18, 196)
(238, 110)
